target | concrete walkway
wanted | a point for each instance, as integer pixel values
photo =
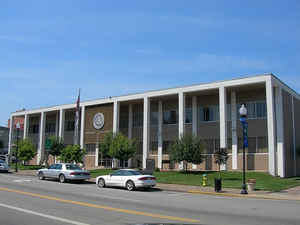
(288, 194)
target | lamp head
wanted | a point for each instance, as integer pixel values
(243, 111)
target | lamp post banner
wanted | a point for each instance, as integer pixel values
(245, 133)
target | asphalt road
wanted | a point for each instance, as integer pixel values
(26, 200)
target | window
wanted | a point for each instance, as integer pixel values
(153, 147)
(255, 110)
(124, 120)
(34, 128)
(188, 115)
(50, 128)
(154, 118)
(138, 119)
(209, 113)
(90, 149)
(166, 146)
(170, 117)
(58, 166)
(261, 110)
(70, 125)
(262, 144)
(255, 145)
(72, 167)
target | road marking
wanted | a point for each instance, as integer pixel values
(22, 180)
(43, 215)
(127, 211)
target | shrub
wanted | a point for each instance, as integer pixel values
(187, 148)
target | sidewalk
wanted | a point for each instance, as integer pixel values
(289, 194)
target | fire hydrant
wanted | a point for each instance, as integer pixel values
(204, 180)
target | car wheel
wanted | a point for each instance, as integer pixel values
(62, 178)
(41, 176)
(101, 183)
(130, 185)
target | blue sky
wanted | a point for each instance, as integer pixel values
(49, 49)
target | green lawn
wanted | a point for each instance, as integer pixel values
(229, 179)
(26, 167)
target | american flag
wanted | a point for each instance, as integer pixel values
(76, 133)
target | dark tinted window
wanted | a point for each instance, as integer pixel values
(52, 167)
(72, 167)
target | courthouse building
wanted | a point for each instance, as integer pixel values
(155, 119)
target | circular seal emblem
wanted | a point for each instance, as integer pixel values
(98, 121)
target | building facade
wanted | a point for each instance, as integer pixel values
(155, 119)
(3, 140)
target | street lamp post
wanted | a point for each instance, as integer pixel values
(17, 148)
(243, 117)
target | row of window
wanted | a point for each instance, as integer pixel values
(51, 127)
(255, 145)
(256, 110)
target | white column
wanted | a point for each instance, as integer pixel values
(271, 125)
(97, 155)
(181, 113)
(57, 124)
(42, 138)
(234, 131)
(159, 135)
(116, 117)
(294, 137)
(61, 123)
(195, 116)
(130, 126)
(280, 133)
(181, 120)
(26, 119)
(10, 137)
(82, 123)
(223, 123)
(146, 130)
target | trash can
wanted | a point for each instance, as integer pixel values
(251, 184)
(218, 185)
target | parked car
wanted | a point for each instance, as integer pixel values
(128, 178)
(3, 166)
(64, 172)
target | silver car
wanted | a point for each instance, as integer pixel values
(64, 172)
(3, 166)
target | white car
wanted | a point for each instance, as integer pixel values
(128, 178)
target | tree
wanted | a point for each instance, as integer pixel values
(55, 148)
(26, 150)
(105, 145)
(121, 147)
(72, 153)
(187, 148)
(221, 157)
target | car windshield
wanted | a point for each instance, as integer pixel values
(72, 167)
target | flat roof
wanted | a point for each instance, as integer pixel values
(167, 91)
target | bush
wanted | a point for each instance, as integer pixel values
(187, 148)
(26, 150)
(72, 153)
